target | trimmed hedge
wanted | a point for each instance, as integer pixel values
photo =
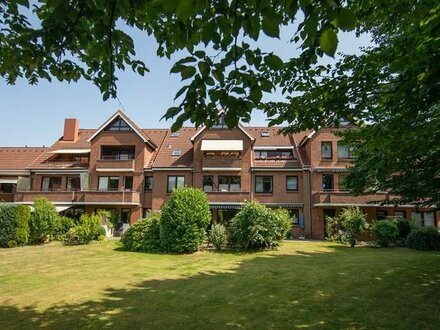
(424, 238)
(144, 235)
(8, 224)
(257, 227)
(184, 220)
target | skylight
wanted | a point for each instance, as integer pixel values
(175, 134)
(265, 133)
(176, 152)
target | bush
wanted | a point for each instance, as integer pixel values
(43, 222)
(218, 236)
(22, 230)
(424, 238)
(404, 227)
(62, 227)
(8, 224)
(333, 228)
(258, 227)
(184, 220)
(144, 235)
(353, 222)
(385, 232)
(88, 229)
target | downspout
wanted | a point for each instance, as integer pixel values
(310, 200)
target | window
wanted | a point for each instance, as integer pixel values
(263, 184)
(208, 183)
(264, 133)
(117, 152)
(73, 183)
(292, 183)
(125, 215)
(229, 183)
(326, 150)
(279, 154)
(294, 216)
(147, 213)
(400, 214)
(51, 183)
(176, 152)
(108, 183)
(174, 182)
(128, 182)
(148, 183)
(344, 152)
(381, 214)
(118, 125)
(327, 182)
(6, 188)
(175, 134)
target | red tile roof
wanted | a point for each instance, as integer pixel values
(18, 158)
(275, 138)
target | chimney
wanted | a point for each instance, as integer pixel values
(71, 126)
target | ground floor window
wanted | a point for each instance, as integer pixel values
(147, 213)
(73, 212)
(327, 213)
(294, 216)
(125, 215)
(424, 219)
(381, 214)
(400, 214)
(225, 217)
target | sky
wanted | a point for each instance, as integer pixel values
(34, 115)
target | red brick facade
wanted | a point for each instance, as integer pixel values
(131, 170)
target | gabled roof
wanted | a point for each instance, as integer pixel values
(130, 123)
(18, 158)
(306, 138)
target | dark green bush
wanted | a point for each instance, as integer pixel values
(385, 232)
(44, 221)
(258, 227)
(88, 229)
(353, 222)
(184, 220)
(218, 236)
(62, 226)
(8, 224)
(424, 238)
(22, 230)
(404, 227)
(144, 235)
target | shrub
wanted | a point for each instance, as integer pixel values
(333, 228)
(22, 230)
(62, 227)
(353, 222)
(404, 227)
(385, 232)
(258, 227)
(184, 220)
(218, 236)
(43, 222)
(88, 229)
(8, 224)
(144, 235)
(424, 238)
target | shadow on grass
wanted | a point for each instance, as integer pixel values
(337, 289)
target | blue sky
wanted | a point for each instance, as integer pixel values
(34, 115)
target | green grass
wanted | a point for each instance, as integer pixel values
(303, 285)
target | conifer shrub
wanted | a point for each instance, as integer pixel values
(184, 219)
(143, 235)
(257, 227)
(22, 230)
(8, 224)
(385, 232)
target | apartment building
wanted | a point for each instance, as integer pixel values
(132, 171)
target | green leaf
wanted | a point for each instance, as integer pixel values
(274, 62)
(256, 95)
(328, 42)
(346, 19)
(188, 72)
(185, 9)
(271, 23)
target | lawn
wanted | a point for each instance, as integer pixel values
(312, 285)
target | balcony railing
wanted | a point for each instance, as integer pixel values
(222, 189)
(344, 197)
(112, 163)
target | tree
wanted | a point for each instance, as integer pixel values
(391, 89)
(43, 221)
(353, 222)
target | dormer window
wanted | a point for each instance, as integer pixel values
(175, 134)
(221, 122)
(118, 125)
(264, 133)
(277, 154)
(176, 153)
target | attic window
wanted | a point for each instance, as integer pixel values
(176, 152)
(265, 133)
(175, 134)
(118, 125)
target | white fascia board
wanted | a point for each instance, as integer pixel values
(60, 171)
(221, 169)
(275, 169)
(274, 147)
(14, 172)
(171, 169)
(222, 145)
(115, 170)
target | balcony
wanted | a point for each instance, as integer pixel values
(107, 165)
(6, 197)
(344, 197)
(81, 197)
(219, 162)
(231, 196)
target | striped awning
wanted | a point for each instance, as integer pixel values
(4, 180)
(225, 206)
(331, 169)
(285, 205)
